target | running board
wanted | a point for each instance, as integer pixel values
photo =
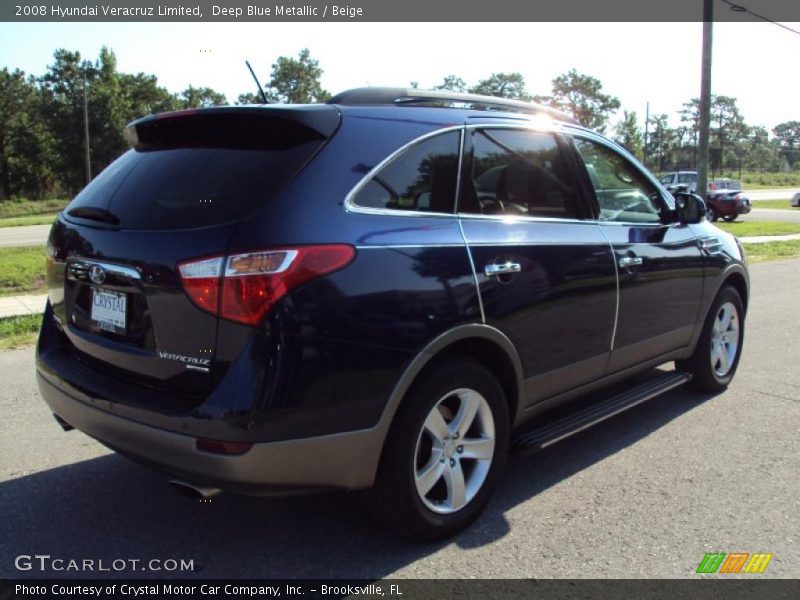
(534, 440)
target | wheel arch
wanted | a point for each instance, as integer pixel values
(738, 281)
(483, 342)
(734, 275)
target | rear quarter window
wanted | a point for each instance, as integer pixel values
(422, 178)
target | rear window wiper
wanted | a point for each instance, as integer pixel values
(94, 213)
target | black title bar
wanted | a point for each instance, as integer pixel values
(394, 10)
(699, 588)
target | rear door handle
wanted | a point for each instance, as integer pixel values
(630, 261)
(494, 270)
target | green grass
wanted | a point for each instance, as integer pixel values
(16, 332)
(31, 220)
(772, 251)
(748, 228)
(26, 208)
(22, 270)
(765, 181)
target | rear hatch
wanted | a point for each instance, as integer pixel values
(177, 194)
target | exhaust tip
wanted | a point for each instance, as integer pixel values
(195, 492)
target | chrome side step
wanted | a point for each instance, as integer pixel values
(534, 440)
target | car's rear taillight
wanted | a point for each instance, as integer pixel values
(201, 281)
(243, 287)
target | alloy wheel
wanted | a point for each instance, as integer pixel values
(725, 339)
(454, 451)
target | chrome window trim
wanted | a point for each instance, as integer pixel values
(541, 125)
(350, 206)
(519, 218)
(505, 244)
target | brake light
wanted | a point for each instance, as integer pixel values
(712, 186)
(244, 287)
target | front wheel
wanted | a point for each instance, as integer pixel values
(444, 452)
(711, 214)
(716, 356)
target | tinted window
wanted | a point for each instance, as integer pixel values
(185, 187)
(423, 178)
(666, 179)
(522, 173)
(623, 192)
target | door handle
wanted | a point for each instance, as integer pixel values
(493, 270)
(630, 261)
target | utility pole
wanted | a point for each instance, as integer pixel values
(646, 131)
(705, 100)
(86, 130)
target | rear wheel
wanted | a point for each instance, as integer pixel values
(444, 452)
(730, 218)
(716, 356)
(711, 214)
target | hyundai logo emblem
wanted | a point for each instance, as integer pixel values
(97, 274)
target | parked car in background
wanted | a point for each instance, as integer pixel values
(384, 293)
(795, 201)
(724, 197)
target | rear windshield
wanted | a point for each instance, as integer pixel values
(184, 187)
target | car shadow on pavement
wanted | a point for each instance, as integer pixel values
(110, 508)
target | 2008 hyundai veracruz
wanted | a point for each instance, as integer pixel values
(376, 293)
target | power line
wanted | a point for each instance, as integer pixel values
(744, 9)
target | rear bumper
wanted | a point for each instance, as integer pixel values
(344, 460)
(728, 209)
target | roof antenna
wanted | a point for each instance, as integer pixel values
(260, 89)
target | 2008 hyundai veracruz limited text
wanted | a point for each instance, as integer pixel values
(385, 292)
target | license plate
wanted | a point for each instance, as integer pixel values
(109, 310)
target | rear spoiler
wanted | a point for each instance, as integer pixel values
(240, 127)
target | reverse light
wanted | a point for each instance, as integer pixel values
(201, 281)
(244, 287)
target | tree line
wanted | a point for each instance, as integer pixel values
(42, 125)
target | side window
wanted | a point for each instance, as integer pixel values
(520, 173)
(687, 178)
(623, 192)
(423, 178)
(667, 179)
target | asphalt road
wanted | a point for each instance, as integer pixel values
(27, 235)
(778, 194)
(645, 494)
(772, 214)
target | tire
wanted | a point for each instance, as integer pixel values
(716, 356)
(418, 491)
(711, 214)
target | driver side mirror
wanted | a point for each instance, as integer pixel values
(689, 208)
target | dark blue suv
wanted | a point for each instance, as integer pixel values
(386, 292)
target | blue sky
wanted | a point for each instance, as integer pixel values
(637, 62)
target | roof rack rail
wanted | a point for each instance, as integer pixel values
(409, 96)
